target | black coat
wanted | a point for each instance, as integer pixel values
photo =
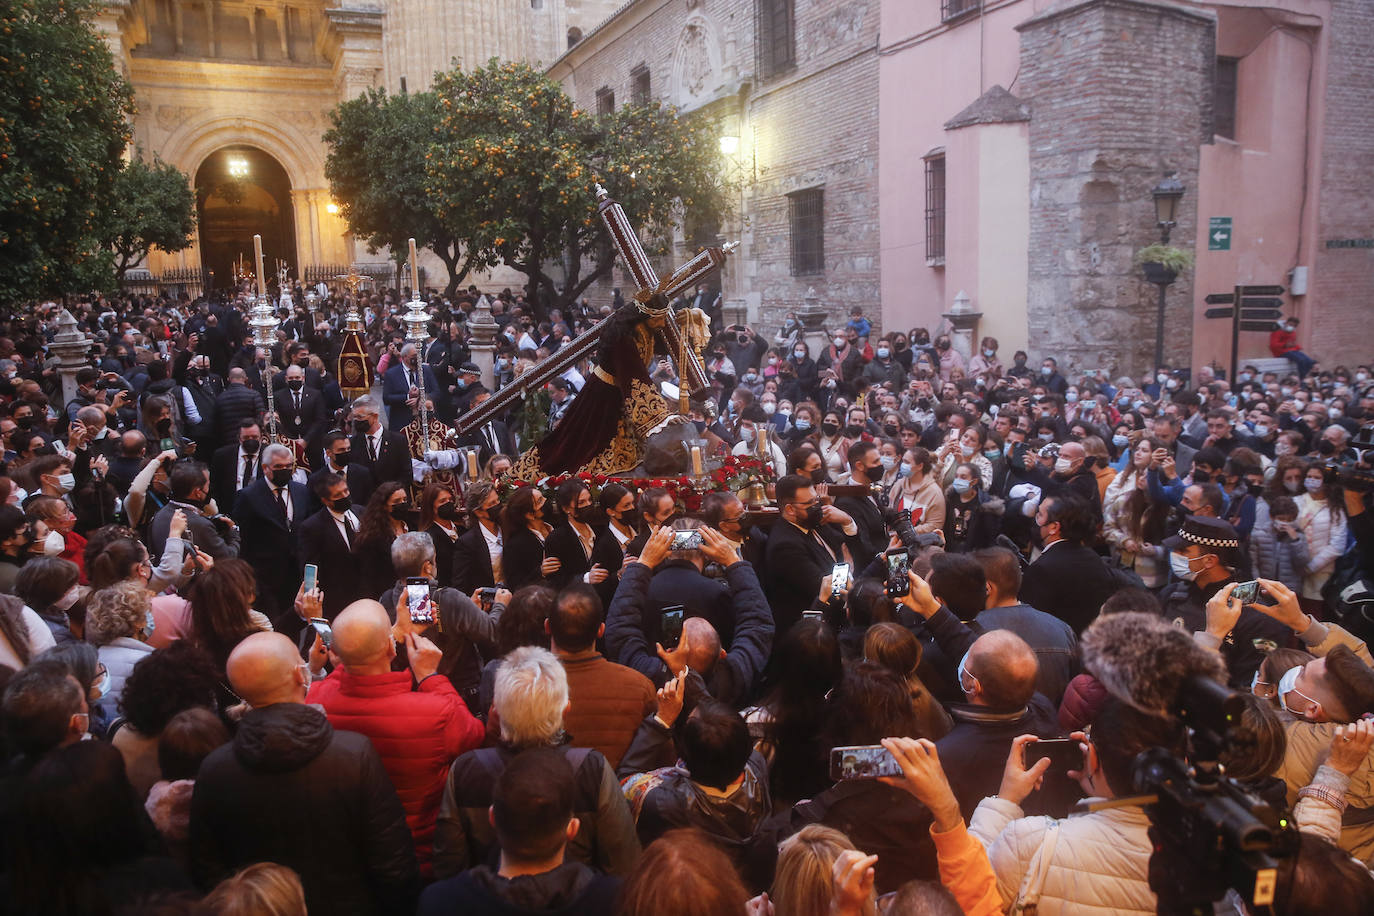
(309, 422)
(564, 544)
(872, 539)
(521, 555)
(472, 562)
(444, 549)
(1071, 581)
(796, 565)
(678, 582)
(292, 790)
(233, 405)
(224, 474)
(271, 544)
(481, 439)
(392, 464)
(337, 569)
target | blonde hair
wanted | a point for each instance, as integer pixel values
(262, 889)
(531, 694)
(804, 883)
(116, 610)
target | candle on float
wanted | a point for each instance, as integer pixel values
(696, 462)
(472, 464)
(257, 258)
(414, 273)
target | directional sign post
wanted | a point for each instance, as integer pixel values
(1218, 313)
(1250, 308)
(1219, 233)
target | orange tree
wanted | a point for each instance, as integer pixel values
(514, 165)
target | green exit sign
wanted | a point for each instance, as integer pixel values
(1219, 233)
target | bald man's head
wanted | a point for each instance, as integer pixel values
(703, 644)
(237, 376)
(362, 636)
(265, 669)
(1005, 668)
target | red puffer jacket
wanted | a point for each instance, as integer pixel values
(1082, 699)
(417, 733)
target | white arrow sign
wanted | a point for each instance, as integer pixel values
(1219, 236)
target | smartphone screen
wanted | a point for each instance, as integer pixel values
(1246, 592)
(417, 601)
(686, 540)
(312, 573)
(322, 627)
(1064, 753)
(898, 564)
(864, 761)
(839, 579)
(671, 629)
(168, 444)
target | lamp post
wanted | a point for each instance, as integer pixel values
(1166, 196)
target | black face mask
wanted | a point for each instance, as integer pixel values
(164, 428)
(853, 430)
(830, 429)
(891, 429)
(250, 446)
(362, 427)
(1254, 489)
(814, 515)
(818, 475)
(1201, 476)
(1326, 447)
(400, 511)
(295, 384)
(339, 460)
(281, 477)
(342, 504)
(448, 511)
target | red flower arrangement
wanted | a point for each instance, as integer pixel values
(734, 474)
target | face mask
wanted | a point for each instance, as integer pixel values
(904, 470)
(1162, 377)
(961, 486)
(853, 430)
(295, 384)
(772, 360)
(989, 353)
(1020, 360)
(1286, 392)
(888, 461)
(769, 408)
(747, 433)
(839, 343)
(1062, 465)
(785, 411)
(1123, 402)
(884, 353)
(1120, 441)
(751, 376)
(1137, 402)
(342, 504)
(1361, 376)
(1046, 371)
(1182, 568)
(967, 450)
(829, 429)
(992, 454)
(54, 544)
(103, 687)
(1071, 397)
(818, 476)
(281, 477)
(803, 424)
(1289, 684)
(164, 428)
(400, 511)
(1335, 413)
(814, 514)
(799, 355)
(1311, 485)
(66, 482)
(1173, 383)
(942, 345)
(149, 624)
(361, 426)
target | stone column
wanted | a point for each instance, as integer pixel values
(482, 330)
(72, 348)
(964, 324)
(735, 311)
(813, 316)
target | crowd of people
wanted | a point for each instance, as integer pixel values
(267, 665)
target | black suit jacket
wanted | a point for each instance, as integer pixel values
(521, 555)
(337, 569)
(444, 549)
(359, 482)
(872, 537)
(270, 543)
(472, 562)
(308, 423)
(392, 464)
(796, 565)
(1071, 581)
(564, 544)
(224, 475)
(478, 439)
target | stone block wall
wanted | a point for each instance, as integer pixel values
(1120, 92)
(1342, 291)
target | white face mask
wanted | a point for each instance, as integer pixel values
(54, 544)
(1071, 397)
(1062, 465)
(66, 482)
(839, 342)
(769, 407)
(747, 433)
(888, 461)
(1289, 684)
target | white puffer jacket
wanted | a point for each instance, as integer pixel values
(1100, 863)
(1325, 542)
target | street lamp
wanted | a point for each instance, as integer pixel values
(1166, 195)
(729, 145)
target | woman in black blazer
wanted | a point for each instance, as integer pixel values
(523, 531)
(385, 519)
(439, 519)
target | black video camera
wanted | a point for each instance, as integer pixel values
(1354, 474)
(1209, 832)
(899, 523)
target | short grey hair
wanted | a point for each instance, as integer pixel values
(368, 403)
(410, 552)
(531, 694)
(276, 449)
(1338, 428)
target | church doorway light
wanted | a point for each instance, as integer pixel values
(242, 191)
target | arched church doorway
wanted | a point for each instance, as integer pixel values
(242, 191)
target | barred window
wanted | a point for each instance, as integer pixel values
(955, 9)
(935, 208)
(1224, 98)
(639, 86)
(806, 216)
(774, 36)
(605, 101)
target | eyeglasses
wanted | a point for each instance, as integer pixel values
(808, 505)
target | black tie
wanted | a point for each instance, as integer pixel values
(348, 532)
(281, 501)
(247, 471)
(372, 447)
(298, 402)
